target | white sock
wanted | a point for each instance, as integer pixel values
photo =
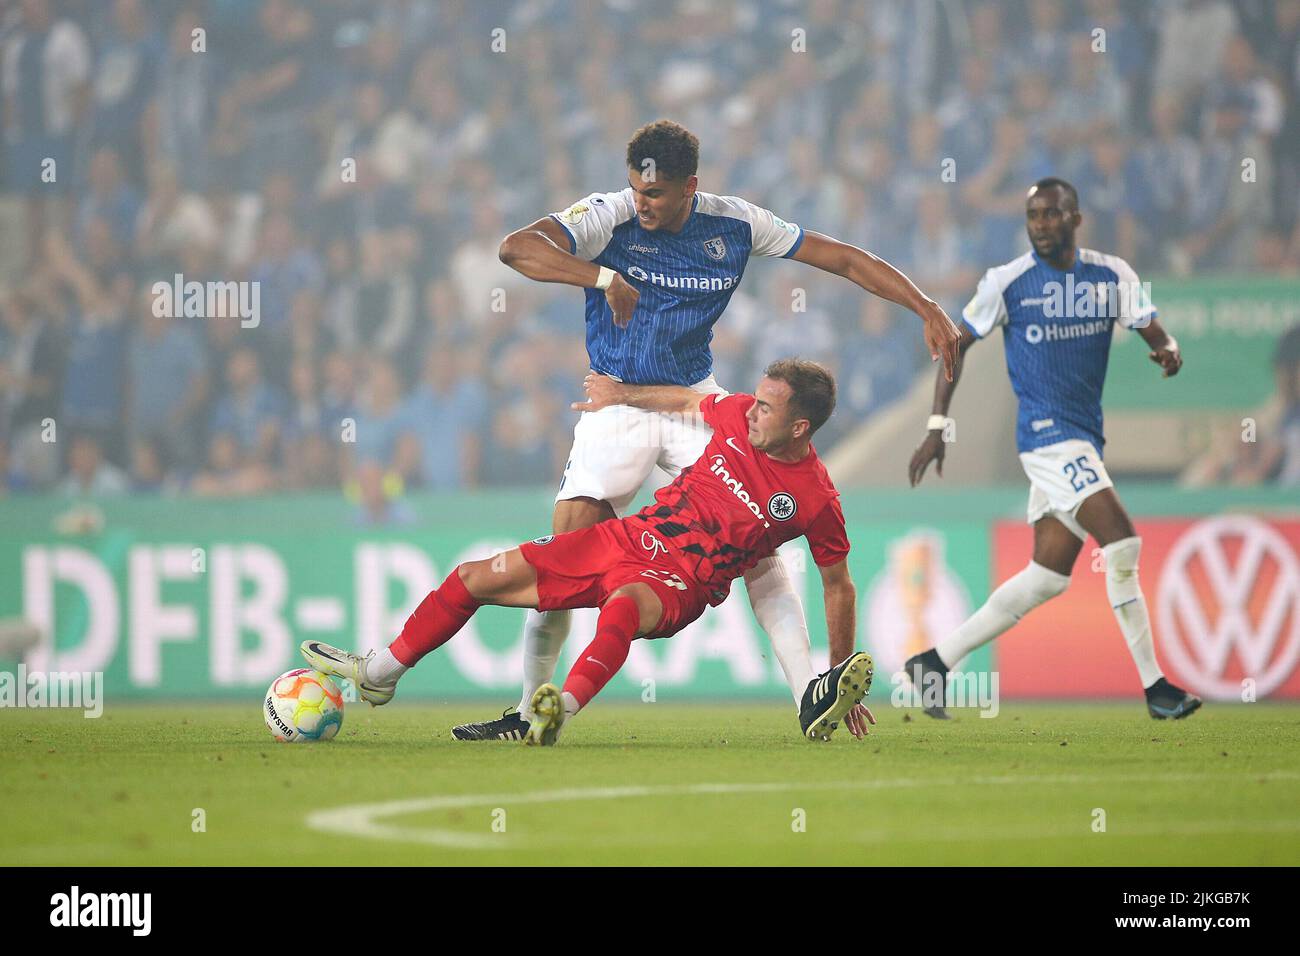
(571, 705)
(780, 613)
(384, 667)
(1017, 596)
(1129, 606)
(544, 636)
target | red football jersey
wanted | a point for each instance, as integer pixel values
(736, 504)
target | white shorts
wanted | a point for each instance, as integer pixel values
(616, 448)
(1061, 477)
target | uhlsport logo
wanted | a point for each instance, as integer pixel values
(706, 283)
(1228, 606)
(737, 488)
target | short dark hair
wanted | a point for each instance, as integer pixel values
(812, 389)
(674, 149)
(1055, 182)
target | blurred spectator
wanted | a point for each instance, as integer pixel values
(1274, 452)
(123, 85)
(89, 475)
(32, 358)
(47, 64)
(1230, 210)
(383, 433)
(186, 100)
(1193, 35)
(108, 197)
(250, 414)
(447, 412)
(169, 388)
(313, 429)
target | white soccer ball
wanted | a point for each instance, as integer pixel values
(303, 706)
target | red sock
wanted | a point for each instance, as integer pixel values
(440, 615)
(615, 630)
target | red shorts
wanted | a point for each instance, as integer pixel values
(583, 568)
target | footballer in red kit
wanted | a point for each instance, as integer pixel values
(758, 485)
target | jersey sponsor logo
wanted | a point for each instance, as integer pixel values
(708, 283)
(782, 506)
(788, 227)
(1040, 423)
(1035, 333)
(716, 248)
(573, 215)
(1240, 615)
(718, 465)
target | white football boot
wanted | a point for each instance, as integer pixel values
(340, 663)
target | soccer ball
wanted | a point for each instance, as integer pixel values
(303, 706)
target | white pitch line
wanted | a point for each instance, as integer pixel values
(363, 819)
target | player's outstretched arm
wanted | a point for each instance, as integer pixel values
(932, 448)
(880, 278)
(538, 252)
(603, 391)
(1164, 348)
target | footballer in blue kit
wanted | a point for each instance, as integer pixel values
(659, 260)
(1057, 306)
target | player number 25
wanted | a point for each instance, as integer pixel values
(1077, 481)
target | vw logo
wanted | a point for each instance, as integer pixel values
(1229, 606)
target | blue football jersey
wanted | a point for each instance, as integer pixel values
(1057, 328)
(685, 279)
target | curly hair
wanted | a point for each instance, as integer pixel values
(812, 389)
(674, 150)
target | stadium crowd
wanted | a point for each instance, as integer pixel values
(360, 160)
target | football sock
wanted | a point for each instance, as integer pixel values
(603, 657)
(1129, 606)
(440, 615)
(544, 635)
(779, 612)
(1017, 596)
(385, 667)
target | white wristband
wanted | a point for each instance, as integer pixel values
(605, 278)
(937, 423)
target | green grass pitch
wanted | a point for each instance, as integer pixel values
(655, 784)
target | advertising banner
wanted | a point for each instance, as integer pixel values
(1223, 593)
(171, 599)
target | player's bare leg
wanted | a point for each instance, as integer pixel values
(1055, 549)
(506, 580)
(544, 634)
(1103, 517)
(628, 613)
